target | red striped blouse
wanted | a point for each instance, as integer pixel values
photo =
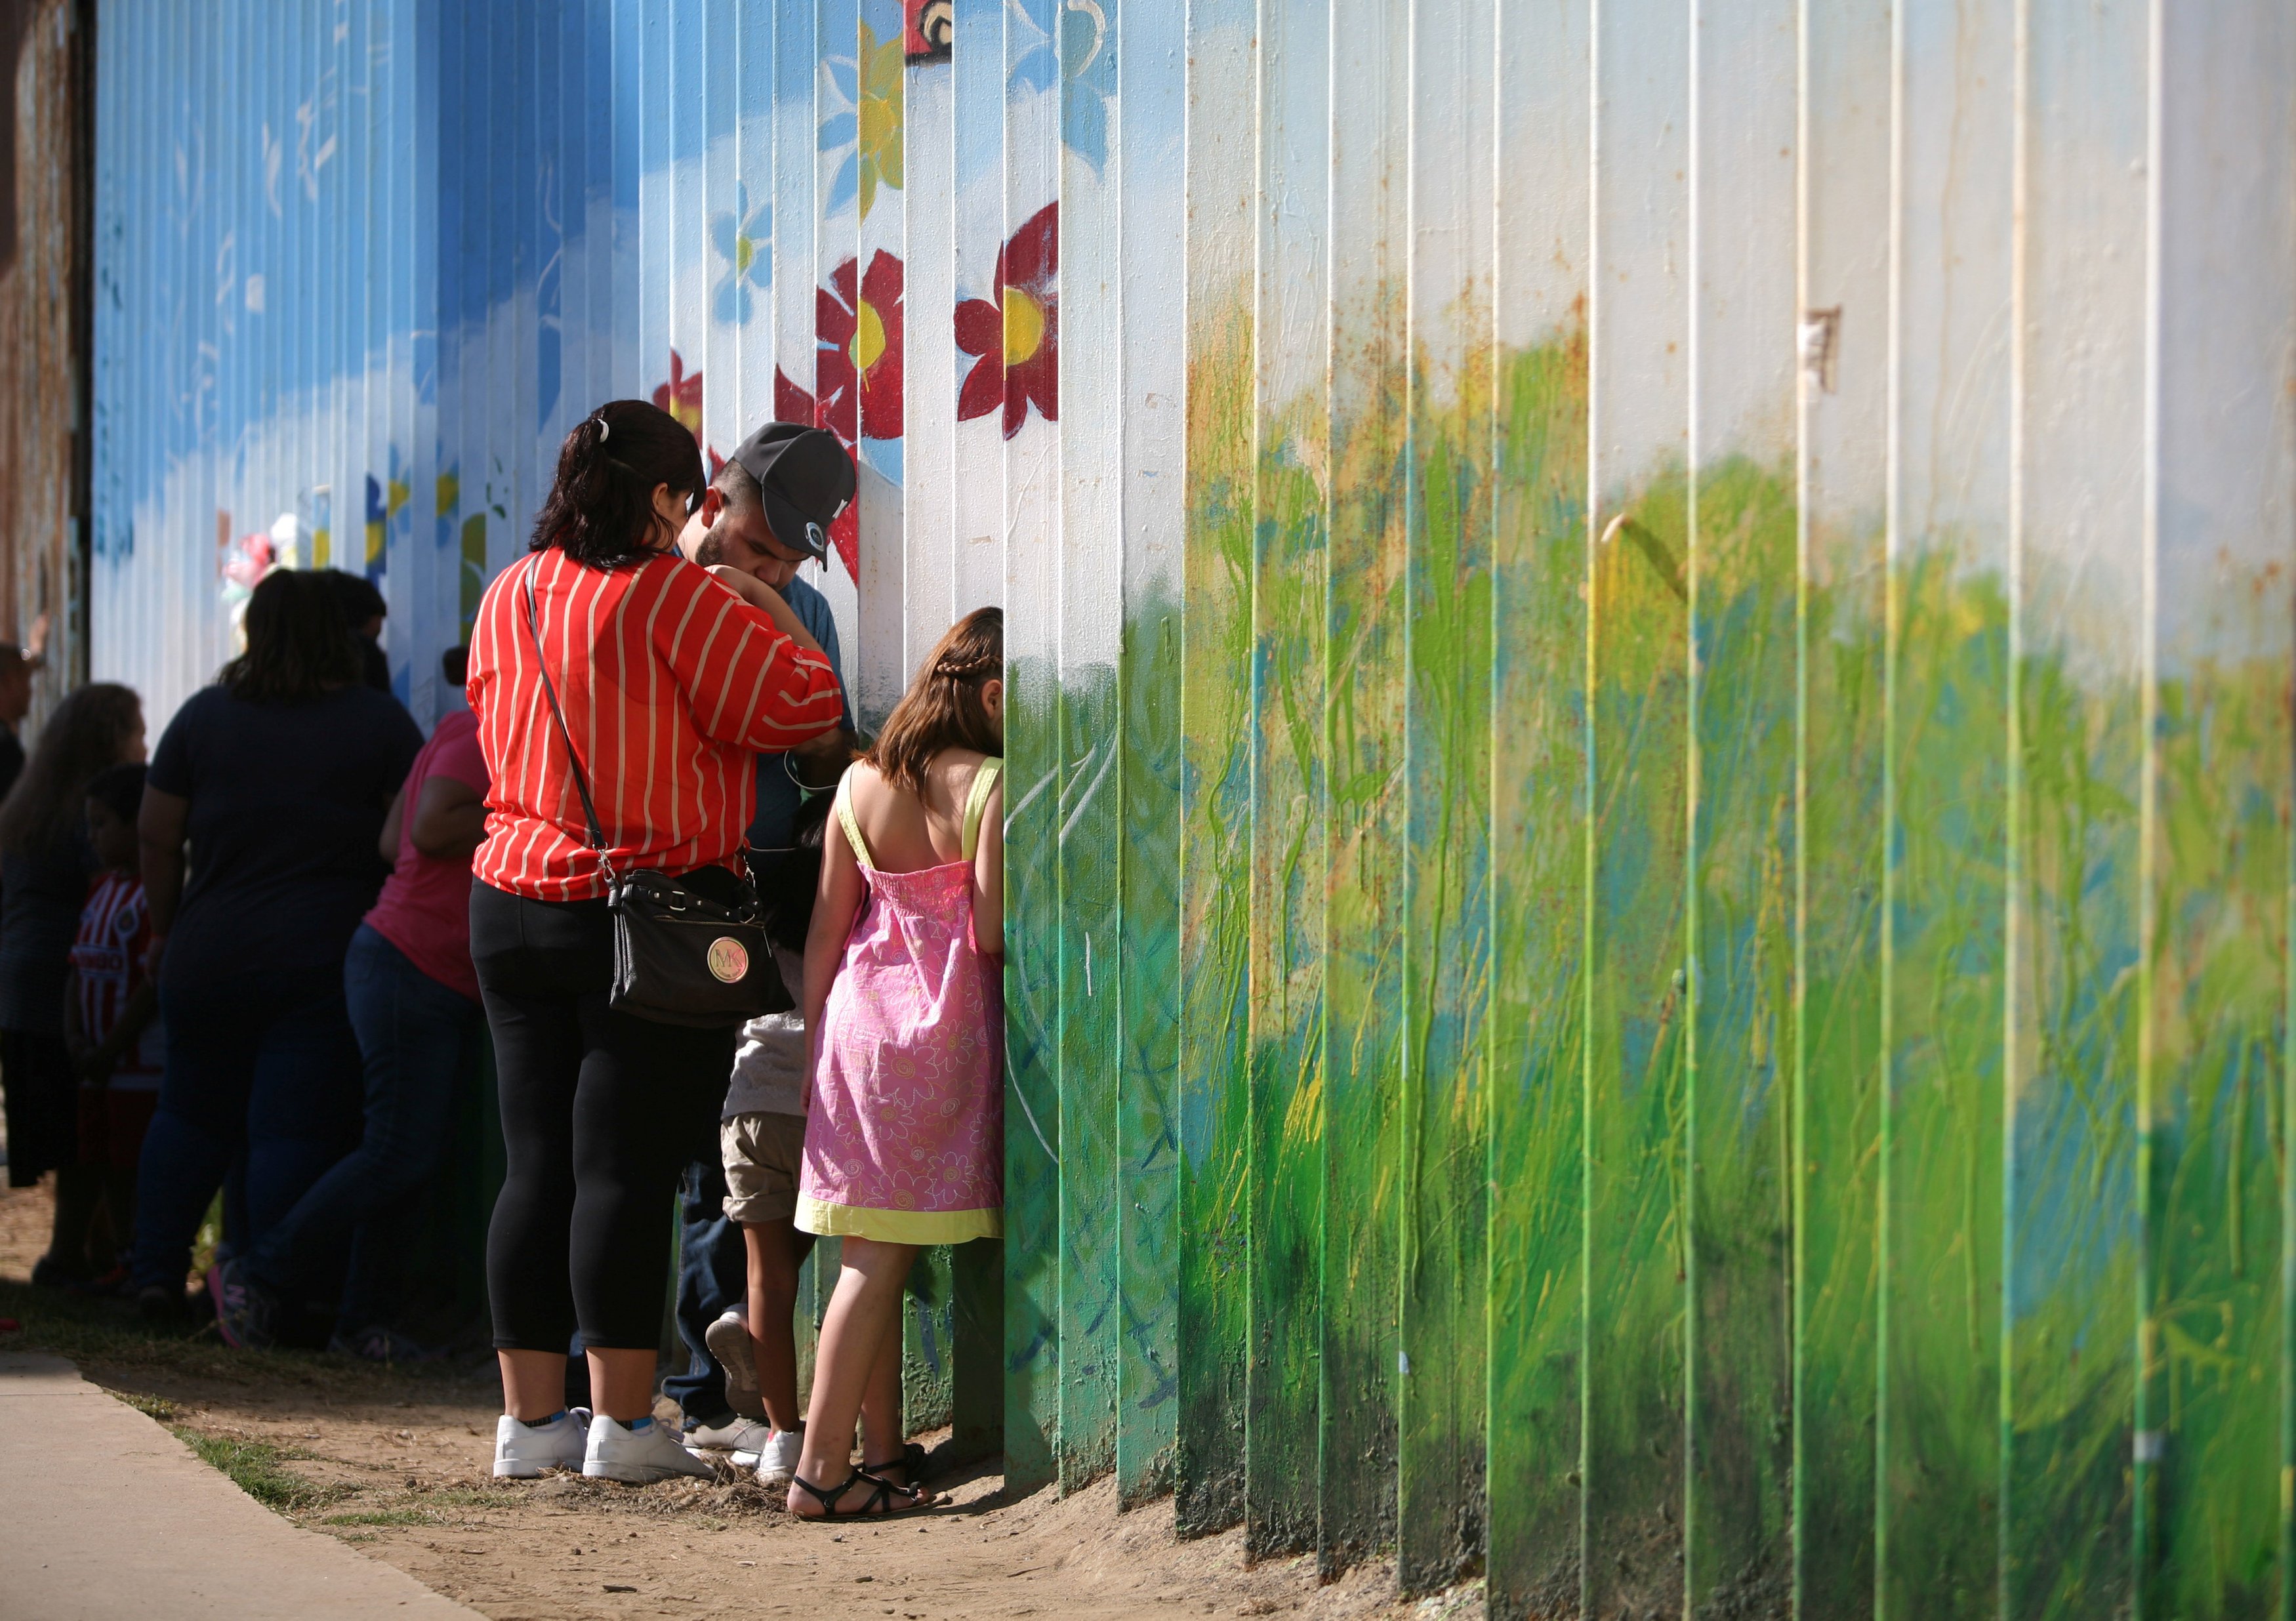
(669, 683)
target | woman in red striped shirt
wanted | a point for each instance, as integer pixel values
(670, 682)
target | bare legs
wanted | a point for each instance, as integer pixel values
(776, 1250)
(621, 1384)
(857, 1366)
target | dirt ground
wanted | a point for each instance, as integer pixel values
(394, 1463)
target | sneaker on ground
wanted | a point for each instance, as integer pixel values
(734, 1433)
(244, 1313)
(617, 1452)
(728, 1339)
(523, 1451)
(777, 1460)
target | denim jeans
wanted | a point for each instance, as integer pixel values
(713, 1273)
(412, 1035)
(262, 1067)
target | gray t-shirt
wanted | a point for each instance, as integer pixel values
(769, 1065)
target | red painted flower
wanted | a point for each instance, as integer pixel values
(1018, 339)
(681, 396)
(792, 404)
(860, 334)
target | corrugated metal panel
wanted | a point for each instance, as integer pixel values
(1651, 762)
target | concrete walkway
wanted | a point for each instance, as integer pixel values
(104, 1514)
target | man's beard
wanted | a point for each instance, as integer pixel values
(711, 551)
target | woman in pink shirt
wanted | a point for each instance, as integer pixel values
(415, 1006)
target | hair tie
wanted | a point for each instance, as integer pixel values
(604, 427)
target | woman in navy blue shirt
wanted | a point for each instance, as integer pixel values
(278, 777)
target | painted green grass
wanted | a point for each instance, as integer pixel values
(1286, 968)
(1362, 962)
(1032, 1121)
(2212, 1537)
(1147, 1128)
(1739, 1116)
(1538, 879)
(1440, 1413)
(1090, 1052)
(1944, 959)
(1637, 1240)
(2069, 1358)
(1215, 938)
(1837, 1065)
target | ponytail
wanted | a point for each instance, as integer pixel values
(600, 510)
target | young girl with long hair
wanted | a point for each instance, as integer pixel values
(904, 1139)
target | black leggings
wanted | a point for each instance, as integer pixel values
(600, 1111)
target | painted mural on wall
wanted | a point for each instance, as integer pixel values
(1650, 816)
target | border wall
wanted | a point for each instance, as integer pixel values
(1650, 652)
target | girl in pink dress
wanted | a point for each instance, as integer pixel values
(904, 996)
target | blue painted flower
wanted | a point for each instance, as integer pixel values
(1059, 40)
(744, 240)
(839, 133)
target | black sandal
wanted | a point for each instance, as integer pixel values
(875, 1507)
(912, 1459)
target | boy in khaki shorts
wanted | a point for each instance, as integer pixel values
(761, 1135)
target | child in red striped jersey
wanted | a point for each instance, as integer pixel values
(112, 1025)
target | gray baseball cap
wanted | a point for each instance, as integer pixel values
(806, 479)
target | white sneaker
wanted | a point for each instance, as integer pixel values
(523, 1451)
(728, 1339)
(618, 1452)
(743, 1437)
(776, 1461)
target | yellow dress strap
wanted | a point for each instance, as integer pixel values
(852, 828)
(984, 781)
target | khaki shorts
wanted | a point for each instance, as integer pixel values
(762, 1154)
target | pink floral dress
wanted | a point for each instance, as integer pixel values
(905, 1142)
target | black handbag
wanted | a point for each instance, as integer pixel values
(681, 957)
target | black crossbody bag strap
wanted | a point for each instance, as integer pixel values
(581, 780)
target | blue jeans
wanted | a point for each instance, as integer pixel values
(262, 1067)
(412, 1035)
(713, 1273)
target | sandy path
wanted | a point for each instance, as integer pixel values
(401, 1459)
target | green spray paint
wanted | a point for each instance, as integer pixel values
(1440, 1412)
(1538, 848)
(928, 1388)
(1215, 890)
(1090, 1041)
(1363, 965)
(1147, 1129)
(1286, 966)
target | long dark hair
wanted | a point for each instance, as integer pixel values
(600, 510)
(89, 734)
(297, 646)
(943, 708)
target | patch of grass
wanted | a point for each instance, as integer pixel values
(384, 1517)
(151, 1407)
(256, 1467)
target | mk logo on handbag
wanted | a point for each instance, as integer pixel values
(728, 959)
